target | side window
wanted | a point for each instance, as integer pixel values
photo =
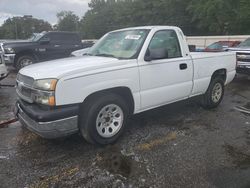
(63, 38)
(166, 39)
(69, 38)
(53, 38)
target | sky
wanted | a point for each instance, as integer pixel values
(41, 9)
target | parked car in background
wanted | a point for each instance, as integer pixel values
(40, 47)
(3, 69)
(87, 44)
(243, 57)
(221, 46)
(126, 72)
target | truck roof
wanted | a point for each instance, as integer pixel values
(149, 27)
(66, 32)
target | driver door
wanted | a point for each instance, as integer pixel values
(165, 80)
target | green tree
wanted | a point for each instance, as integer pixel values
(67, 21)
(22, 27)
(215, 16)
(108, 15)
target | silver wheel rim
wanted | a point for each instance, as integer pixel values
(217, 92)
(25, 62)
(109, 121)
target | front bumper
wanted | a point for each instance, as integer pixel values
(47, 127)
(243, 70)
(9, 58)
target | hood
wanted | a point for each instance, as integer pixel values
(68, 66)
(16, 43)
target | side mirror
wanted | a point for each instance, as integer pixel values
(44, 40)
(192, 48)
(154, 54)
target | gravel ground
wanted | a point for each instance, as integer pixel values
(179, 145)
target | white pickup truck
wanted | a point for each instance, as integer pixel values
(126, 72)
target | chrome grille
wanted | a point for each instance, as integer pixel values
(243, 57)
(26, 80)
(24, 87)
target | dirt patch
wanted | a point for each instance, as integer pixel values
(112, 160)
(240, 158)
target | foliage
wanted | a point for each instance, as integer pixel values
(195, 17)
(203, 17)
(22, 27)
(67, 21)
(108, 15)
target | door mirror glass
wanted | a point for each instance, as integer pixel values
(158, 53)
(44, 40)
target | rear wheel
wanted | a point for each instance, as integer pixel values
(214, 95)
(24, 61)
(103, 118)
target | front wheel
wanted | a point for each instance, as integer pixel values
(103, 118)
(214, 95)
(24, 61)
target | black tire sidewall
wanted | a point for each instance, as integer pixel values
(208, 96)
(88, 120)
(18, 66)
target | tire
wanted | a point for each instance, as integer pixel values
(103, 118)
(214, 94)
(23, 61)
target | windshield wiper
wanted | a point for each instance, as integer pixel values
(106, 55)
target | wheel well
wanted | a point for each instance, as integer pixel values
(220, 73)
(124, 92)
(23, 53)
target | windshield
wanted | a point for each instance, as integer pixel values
(120, 44)
(36, 36)
(246, 43)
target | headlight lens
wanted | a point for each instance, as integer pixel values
(45, 98)
(45, 93)
(47, 84)
(9, 50)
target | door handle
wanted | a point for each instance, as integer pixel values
(183, 66)
(57, 45)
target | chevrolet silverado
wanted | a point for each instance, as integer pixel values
(126, 72)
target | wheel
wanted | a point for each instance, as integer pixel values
(24, 61)
(214, 95)
(103, 118)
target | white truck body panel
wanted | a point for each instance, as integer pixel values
(152, 84)
(206, 63)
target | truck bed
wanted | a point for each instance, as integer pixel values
(216, 61)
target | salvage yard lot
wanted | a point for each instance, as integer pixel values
(179, 145)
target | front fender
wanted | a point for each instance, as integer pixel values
(73, 91)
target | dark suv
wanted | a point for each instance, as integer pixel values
(40, 47)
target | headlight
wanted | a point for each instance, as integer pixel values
(46, 98)
(45, 93)
(9, 50)
(47, 84)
